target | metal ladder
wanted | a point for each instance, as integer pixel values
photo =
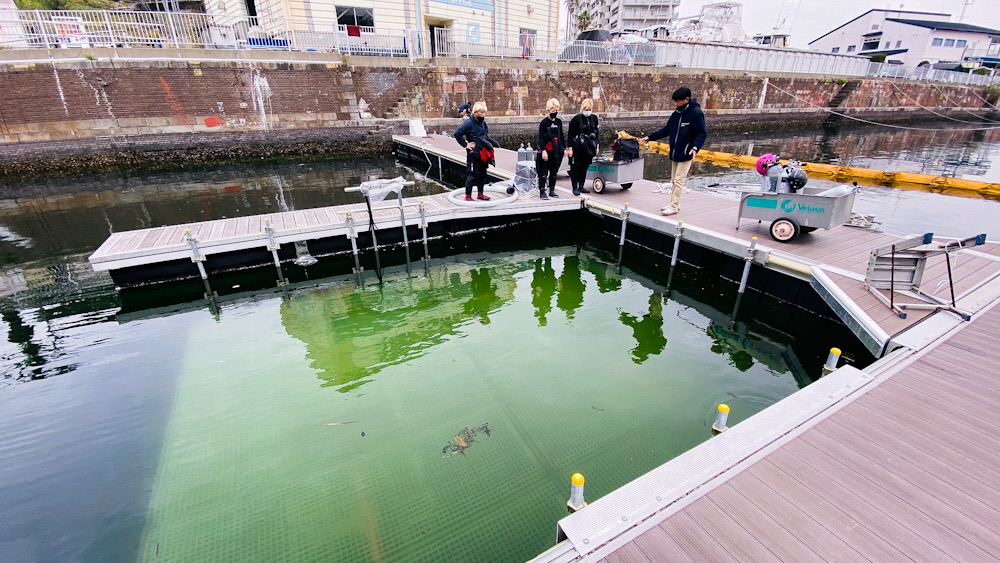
(899, 268)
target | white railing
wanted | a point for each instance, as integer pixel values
(452, 43)
(101, 28)
(883, 70)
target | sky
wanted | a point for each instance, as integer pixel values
(809, 19)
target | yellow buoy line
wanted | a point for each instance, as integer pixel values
(840, 173)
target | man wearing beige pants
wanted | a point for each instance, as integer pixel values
(686, 133)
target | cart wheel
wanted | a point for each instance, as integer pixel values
(784, 229)
(807, 229)
(598, 185)
(626, 186)
(510, 191)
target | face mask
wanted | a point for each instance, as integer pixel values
(480, 118)
(587, 112)
(554, 114)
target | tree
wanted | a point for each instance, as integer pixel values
(878, 58)
(584, 20)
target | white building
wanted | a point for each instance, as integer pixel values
(909, 38)
(489, 22)
(621, 15)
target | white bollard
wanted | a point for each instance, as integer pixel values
(721, 418)
(831, 361)
(576, 501)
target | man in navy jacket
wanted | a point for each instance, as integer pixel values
(686, 134)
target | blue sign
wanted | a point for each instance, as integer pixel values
(473, 33)
(485, 5)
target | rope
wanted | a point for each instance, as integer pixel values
(851, 117)
(945, 94)
(907, 96)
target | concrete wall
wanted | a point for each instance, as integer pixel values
(61, 109)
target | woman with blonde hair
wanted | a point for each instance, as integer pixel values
(551, 144)
(474, 135)
(583, 145)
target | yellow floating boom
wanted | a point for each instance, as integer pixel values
(841, 173)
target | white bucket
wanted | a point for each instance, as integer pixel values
(417, 128)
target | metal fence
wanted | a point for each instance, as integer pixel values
(122, 29)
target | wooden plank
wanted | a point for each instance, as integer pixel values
(831, 515)
(828, 479)
(628, 553)
(728, 533)
(798, 523)
(945, 424)
(975, 477)
(693, 539)
(242, 226)
(229, 228)
(947, 488)
(936, 521)
(121, 241)
(657, 545)
(931, 436)
(148, 239)
(762, 527)
(947, 396)
(218, 227)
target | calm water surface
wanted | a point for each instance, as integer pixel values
(433, 418)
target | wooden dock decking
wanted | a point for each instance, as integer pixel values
(910, 470)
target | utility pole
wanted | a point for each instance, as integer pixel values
(965, 6)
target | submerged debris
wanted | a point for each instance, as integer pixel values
(464, 439)
(340, 423)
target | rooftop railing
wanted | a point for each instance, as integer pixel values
(53, 29)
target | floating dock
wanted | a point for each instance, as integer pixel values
(788, 483)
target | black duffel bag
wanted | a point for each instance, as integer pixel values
(626, 150)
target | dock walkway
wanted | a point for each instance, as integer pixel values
(907, 471)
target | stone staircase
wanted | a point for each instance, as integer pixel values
(845, 92)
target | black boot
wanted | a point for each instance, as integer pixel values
(541, 192)
(576, 189)
(552, 192)
(584, 189)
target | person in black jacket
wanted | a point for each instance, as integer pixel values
(551, 143)
(474, 135)
(686, 133)
(583, 145)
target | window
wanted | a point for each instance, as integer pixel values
(874, 26)
(355, 16)
(936, 42)
(869, 45)
(960, 43)
(949, 42)
(835, 50)
(887, 44)
(850, 48)
(898, 43)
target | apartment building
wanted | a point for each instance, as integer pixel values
(622, 15)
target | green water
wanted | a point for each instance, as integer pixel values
(329, 426)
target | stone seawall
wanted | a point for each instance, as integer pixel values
(77, 115)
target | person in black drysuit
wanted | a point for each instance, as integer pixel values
(551, 143)
(582, 149)
(474, 135)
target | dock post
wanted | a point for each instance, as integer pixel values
(831, 361)
(273, 246)
(748, 261)
(721, 418)
(402, 224)
(352, 235)
(576, 501)
(673, 256)
(423, 227)
(198, 259)
(621, 238)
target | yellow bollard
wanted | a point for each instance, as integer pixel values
(831, 361)
(576, 501)
(721, 418)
